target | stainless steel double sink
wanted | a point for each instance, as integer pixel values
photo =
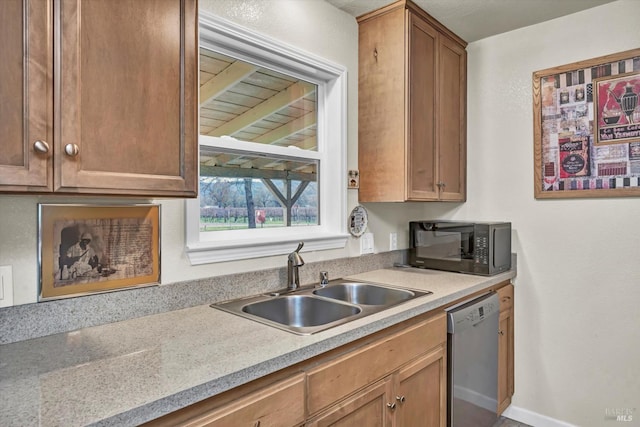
(309, 310)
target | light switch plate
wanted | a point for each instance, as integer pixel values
(6, 286)
(393, 241)
(366, 243)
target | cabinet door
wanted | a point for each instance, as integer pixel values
(126, 99)
(422, 157)
(422, 391)
(505, 349)
(381, 108)
(26, 96)
(452, 120)
(505, 295)
(366, 408)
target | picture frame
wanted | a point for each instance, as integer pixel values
(85, 249)
(577, 152)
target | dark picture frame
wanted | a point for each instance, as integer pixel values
(577, 153)
(85, 249)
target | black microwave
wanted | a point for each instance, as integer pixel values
(466, 247)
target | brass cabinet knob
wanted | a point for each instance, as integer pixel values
(41, 146)
(392, 406)
(401, 399)
(71, 150)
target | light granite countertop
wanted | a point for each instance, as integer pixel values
(129, 372)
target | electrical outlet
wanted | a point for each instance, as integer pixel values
(393, 241)
(6, 286)
(366, 243)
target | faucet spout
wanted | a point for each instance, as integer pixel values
(294, 260)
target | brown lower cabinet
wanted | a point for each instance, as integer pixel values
(413, 385)
(506, 383)
(396, 377)
(422, 391)
(412, 396)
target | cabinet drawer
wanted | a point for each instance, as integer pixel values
(506, 297)
(279, 405)
(336, 379)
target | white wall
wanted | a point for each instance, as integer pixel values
(578, 284)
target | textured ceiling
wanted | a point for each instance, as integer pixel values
(477, 19)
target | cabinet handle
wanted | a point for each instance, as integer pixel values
(41, 146)
(257, 424)
(392, 406)
(71, 150)
(400, 399)
(500, 332)
(441, 185)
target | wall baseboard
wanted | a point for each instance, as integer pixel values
(533, 418)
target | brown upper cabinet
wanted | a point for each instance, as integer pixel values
(99, 97)
(412, 107)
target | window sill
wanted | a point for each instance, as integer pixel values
(211, 252)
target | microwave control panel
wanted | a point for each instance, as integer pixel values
(481, 251)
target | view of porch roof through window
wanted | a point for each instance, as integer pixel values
(258, 133)
(254, 104)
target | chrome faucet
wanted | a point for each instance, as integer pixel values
(294, 260)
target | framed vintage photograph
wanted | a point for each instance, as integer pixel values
(92, 248)
(587, 128)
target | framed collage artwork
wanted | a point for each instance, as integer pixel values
(587, 128)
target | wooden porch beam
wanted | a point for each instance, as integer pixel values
(269, 106)
(294, 126)
(236, 172)
(226, 79)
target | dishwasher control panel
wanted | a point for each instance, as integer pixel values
(472, 312)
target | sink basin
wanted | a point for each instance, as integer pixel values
(309, 310)
(301, 310)
(365, 293)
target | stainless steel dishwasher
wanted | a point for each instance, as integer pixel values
(472, 362)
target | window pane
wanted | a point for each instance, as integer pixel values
(240, 191)
(254, 104)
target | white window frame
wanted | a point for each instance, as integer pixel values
(233, 40)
